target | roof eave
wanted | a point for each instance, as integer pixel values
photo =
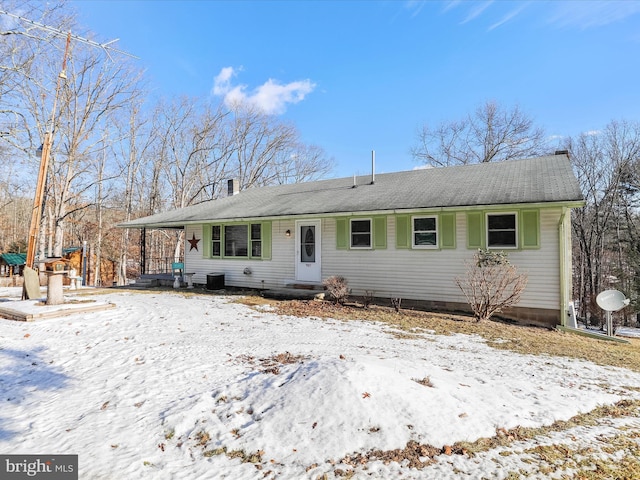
(182, 224)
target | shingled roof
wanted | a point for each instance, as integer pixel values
(547, 179)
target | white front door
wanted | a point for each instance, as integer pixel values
(308, 265)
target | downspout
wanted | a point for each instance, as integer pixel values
(564, 270)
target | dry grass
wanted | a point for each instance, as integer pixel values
(500, 335)
(613, 457)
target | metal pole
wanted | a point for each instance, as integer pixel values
(84, 263)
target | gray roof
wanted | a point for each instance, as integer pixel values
(547, 179)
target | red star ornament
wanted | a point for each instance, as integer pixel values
(194, 242)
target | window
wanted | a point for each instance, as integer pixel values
(425, 232)
(236, 240)
(361, 233)
(216, 239)
(501, 230)
(246, 240)
(256, 240)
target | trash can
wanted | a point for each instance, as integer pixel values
(215, 281)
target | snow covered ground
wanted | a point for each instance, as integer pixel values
(167, 386)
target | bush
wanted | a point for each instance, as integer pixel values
(491, 284)
(337, 288)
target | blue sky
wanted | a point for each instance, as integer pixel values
(356, 76)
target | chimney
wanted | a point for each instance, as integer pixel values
(562, 152)
(233, 187)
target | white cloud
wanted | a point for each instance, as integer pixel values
(222, 82)
(507, 17)
(271, 97)
(414, 6)
(476, 11)
(552, 138)
(591, 133)
(592, 14)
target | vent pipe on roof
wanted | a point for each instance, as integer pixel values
(233, 187)
(355, 183)
(373, 167)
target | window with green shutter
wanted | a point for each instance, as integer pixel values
(238, 240)
(424, 232)
(361, 233)
(502, 230)
(216, 241)
(360, 229)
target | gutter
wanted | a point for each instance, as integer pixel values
(562, 250)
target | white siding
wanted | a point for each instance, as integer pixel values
(430, 274)
(264, 273)
(419, 274)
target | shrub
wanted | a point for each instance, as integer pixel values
(491, 284)
(337, 287)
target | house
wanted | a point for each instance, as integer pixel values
(397, 235)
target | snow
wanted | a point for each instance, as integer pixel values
(159, 386)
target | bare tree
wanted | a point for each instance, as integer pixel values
(491, 284)
(267, 151)
(490, 134)
(606, 164)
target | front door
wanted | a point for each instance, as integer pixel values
(308, 265)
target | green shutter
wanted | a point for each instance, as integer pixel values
(206, 241)
(475, 232)
(380, 232)
(448, 230)
(265, 237)
(403, 231)
(530, 228)
(342, 234)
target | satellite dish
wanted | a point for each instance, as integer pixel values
(612, 300)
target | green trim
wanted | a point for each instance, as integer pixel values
(265, 240)
(529, 229)
(342, 234)
(379, 232)
(447, 230)
(206, 240)
(475, 230)
(403, 231)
